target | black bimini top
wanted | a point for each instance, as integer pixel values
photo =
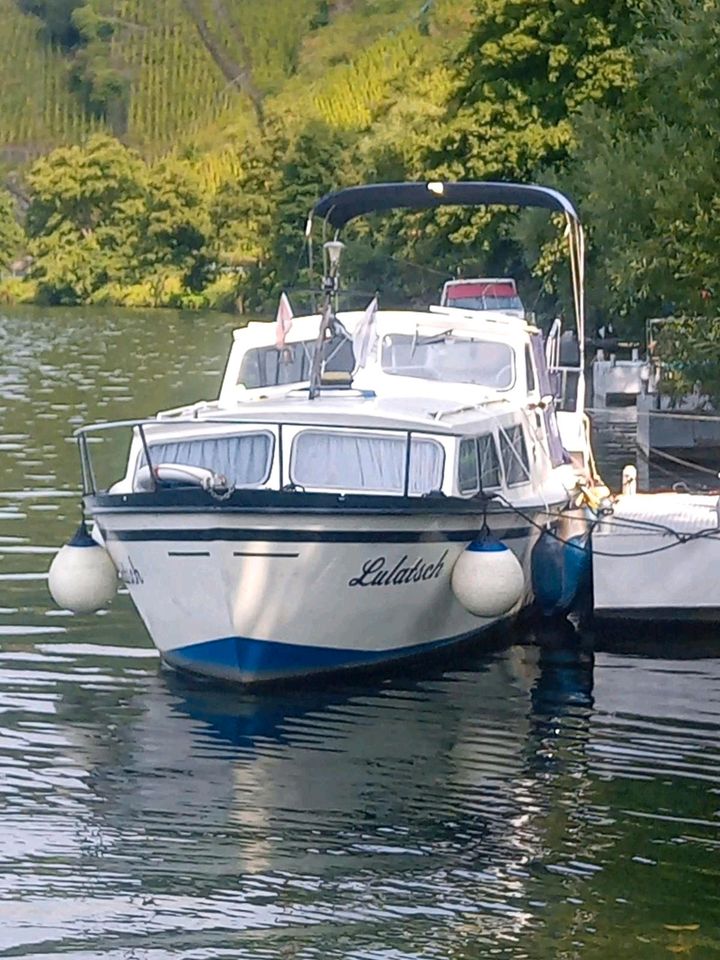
(344, 205)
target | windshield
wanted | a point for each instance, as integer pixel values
(487, 302)
(448, 358)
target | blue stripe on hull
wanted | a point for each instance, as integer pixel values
(251, 661)
(257, 535)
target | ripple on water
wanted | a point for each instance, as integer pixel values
(538, 801)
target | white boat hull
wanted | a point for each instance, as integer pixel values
(653, 558)
(232, 596)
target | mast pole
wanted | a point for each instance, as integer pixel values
(332, 251)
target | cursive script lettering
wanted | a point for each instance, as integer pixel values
(130, 574)
(377, 573)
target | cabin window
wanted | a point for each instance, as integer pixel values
(365, 462)
(514, 455)
(557, 454)
(272, 366)
(482, 295)
(529, 372)
(448, 358)
(478, 464)
(485, 302)
(468, 467)
(244, 459)
(489, 462)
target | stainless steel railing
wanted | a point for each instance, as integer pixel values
(139, 428)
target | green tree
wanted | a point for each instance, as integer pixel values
(85, 218)
(98, 75)
(526, 71)
(649, 173)
(177, 230)
(316, 162)
(689, 350)
(243, 205)
(528, 66)
(11, 233)
(57, 19)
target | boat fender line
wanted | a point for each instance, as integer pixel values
(487, 578)
(82, 577)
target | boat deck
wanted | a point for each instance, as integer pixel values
(683, 513)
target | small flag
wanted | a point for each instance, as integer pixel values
(365, 334)
(283, 320)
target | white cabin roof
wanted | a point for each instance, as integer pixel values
(495, 324)
(352, 408)
(491, 326)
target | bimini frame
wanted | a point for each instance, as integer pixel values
(339, 208)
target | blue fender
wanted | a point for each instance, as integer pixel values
(560, 572)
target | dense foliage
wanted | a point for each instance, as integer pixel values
(11, 235)
(689, 351)
(649, 173)
(525, 72)
(103, 226)
(234, 115)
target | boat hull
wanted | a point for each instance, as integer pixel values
(253, 598)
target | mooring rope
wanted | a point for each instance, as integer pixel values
(684, 463)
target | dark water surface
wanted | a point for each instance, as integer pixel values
(554, 796)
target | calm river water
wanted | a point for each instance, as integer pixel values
(554, 796)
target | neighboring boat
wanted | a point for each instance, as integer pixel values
(653, 554)
(497, 294)
(367, 488)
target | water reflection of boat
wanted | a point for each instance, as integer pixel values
(356, 767)
(468, 807)
(554, 672)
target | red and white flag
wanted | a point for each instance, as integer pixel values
(283, 320)
(365, 334)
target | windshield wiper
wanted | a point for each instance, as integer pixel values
(427, 340)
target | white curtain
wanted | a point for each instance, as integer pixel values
(243, 459)
(358, 462)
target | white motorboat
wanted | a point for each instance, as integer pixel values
(367, 488)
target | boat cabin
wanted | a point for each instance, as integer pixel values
(413, 353)
(442, 370)
(347, 443)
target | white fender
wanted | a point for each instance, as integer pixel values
(487, 578)
(82, 577)
(176, 473)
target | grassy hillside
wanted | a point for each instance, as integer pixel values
(37, 109)
(174, 83)
(177, 145)
(198, 71)
(192, 137)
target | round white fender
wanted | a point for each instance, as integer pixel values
(82, 577)
(487, 578)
